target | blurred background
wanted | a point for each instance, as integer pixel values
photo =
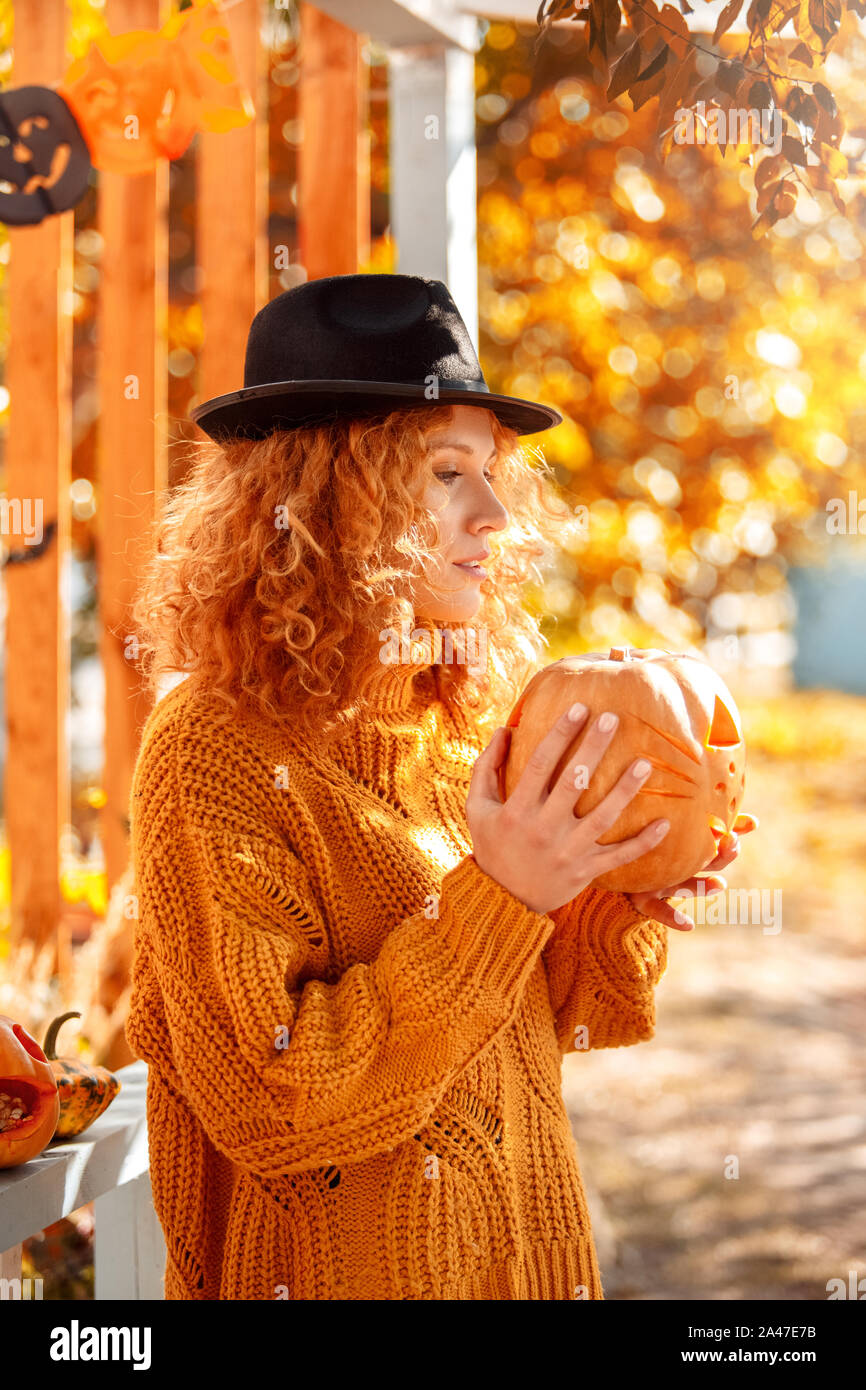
(712, 386)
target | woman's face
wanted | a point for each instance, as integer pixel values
(462, 460)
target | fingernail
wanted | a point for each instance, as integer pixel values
(662, 828)
(607, 722)
(576, 712)
(641, 768)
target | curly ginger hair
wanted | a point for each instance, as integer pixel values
(279, 563)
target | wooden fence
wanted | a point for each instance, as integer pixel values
(233, 252)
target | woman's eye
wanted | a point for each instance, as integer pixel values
(491, 477)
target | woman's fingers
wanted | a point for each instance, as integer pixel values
(576, 774)
(729, 848)
(531, 789)
(656, 906)
(609, 809)
(713, 883)
(662, 911)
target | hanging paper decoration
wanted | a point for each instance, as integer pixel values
(132, 100)
(43, 156)
(141, 96)
(208, 78)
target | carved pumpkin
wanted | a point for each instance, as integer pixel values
(675, 711)
(84, 1091)
(29, 1104)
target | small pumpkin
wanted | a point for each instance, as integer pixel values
(85, 1091)
(29, 1102)
(675, 711)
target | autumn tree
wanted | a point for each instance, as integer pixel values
(777, 70)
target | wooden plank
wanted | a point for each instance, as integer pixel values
(149, 1242)
(133, 464)
(114, 1266)
(333, 159)
(129, 1248)
(231, 216)
(10, 1262)
(38, 451)
(112, 1153)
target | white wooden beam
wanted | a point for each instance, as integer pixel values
(433, 180)
(415, 21)
(106, 1165)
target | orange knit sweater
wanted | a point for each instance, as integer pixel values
(354, 1036)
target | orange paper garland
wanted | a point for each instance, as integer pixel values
(141, 96)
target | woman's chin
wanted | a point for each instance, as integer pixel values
(462, 610)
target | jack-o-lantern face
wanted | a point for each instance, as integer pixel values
(123, 93)
(675, 711)
(29, 1100)
(44, 160)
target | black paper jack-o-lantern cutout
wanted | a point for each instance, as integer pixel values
(43, 155)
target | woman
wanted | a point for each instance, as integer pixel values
(356, 969)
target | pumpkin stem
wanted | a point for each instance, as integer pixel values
(51, 1035)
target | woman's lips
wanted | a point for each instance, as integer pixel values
(474, 569)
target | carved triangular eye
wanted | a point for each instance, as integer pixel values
(723, 732)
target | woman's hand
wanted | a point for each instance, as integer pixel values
(533, 844)
(653, 904)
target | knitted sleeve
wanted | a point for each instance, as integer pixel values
(603, 963)
(284, 1069)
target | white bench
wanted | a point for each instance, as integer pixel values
(106, 1165)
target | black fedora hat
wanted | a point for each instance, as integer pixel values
(348, 345)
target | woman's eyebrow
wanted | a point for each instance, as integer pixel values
(463, 448)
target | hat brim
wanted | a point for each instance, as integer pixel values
(256, 411)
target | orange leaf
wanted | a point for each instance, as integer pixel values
(643, 21)
(677, 31)
(801, 54)
(675, 92)
(824, 17)
(793, 150)
(823, 181)
(624, 71)
(651, 80)
(768, 167)
(767, 194)
(780, 12)
(834, 161)
(824, 97)
(757, 13)
(765, 221)
(726, 18)
(729, 76)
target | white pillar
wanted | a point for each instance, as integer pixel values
(432, 163)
